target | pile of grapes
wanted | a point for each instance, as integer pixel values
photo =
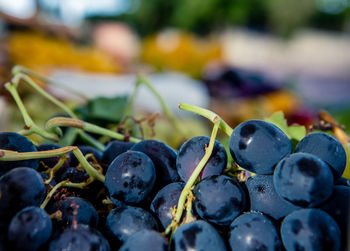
(145, 195)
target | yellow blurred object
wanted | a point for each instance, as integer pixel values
(40, 53)
(180, 51)
(281, 101)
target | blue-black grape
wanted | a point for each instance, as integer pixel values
(166, 199)
(264, 198)
(163, 157)
(19, 188)
(197, 235)
(257, 146)
(338, 206)
(122, 222)
(29, 229)
(310, 229)
(85, 150)
(254, 231)
(303, 179)
(192, 152)
(113, 149)
(327, 148)
(219, 199)
(146, 240)
(73, 174)
(130, 177)
(78, 209)
(81, 237)
(16, 142)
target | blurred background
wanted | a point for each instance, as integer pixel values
(242, 59)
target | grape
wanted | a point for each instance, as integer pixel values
(85, 150)
(29, 229)
(192, 152)
(197, 235)
(124, 221)
(19, 188)
(130, 177)
(16, 142)
(303, 179)
(219, 199)
(146, 240)
(265, 199)
(165, 199)
(81, 237)
(310, 229)
(254, 231)
(257, 146)
(78, 209)
(51, 162)
(327, 148)
(338, 206)
(163, 157)
(113, 149)
(73, 174)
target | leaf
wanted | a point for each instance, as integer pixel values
(103, 109)
(294, 133)
(346, 173)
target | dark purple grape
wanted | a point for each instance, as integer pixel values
(219, 199)
(73, 174)
(164, 159)
(78, 209)
(192, 152)
(310, 229)
(197, 235)
(130, 177)
(81, 237)
(165, 199)
(342, 182)
(16, 142)
(19, 188)
(257, 146)
(52, 161)
(29, 229)
(303, 179)
(122, 222)
(146, 240)
(254, 231)
(113, 149)
(338, 206)
(327, 148)
(85, 150)
(265, 199)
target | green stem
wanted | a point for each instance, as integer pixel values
(53, 190)
(76, 123)
(131, 101)
(90, 140)
(20, 76)
(31, 127)
(21, 69)
(168, 114)
(6, 155)
(207, 114)
(58, 165)
(191, 181)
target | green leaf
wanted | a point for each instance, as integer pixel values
(346, 173)
(103, 109)
(294, 133)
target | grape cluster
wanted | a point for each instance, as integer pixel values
(296, 199)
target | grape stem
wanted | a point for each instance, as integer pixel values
(6, 155)
(143, 80)
(53, 123)
(31, 127)
(209, 115)
(187, 190)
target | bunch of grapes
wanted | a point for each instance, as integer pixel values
(145, 195)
